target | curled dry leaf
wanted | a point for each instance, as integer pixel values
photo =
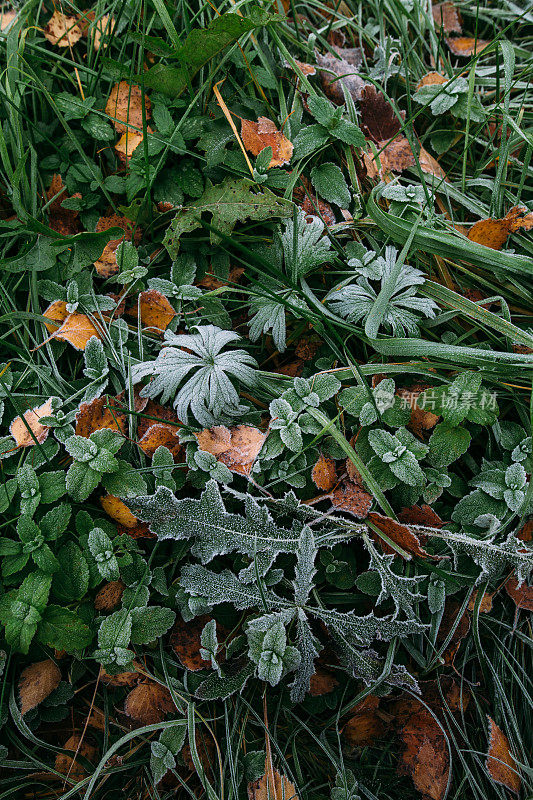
(154, 309)
(466, 46)
(77, 329)
(102, 412)
(62, 220)
(28, 430)
(351, 498)
(107, 265)
(323, 474)
(399, 533)
(69, 765)
(236, 447)
(447, 17)
(109, 596)
(341, 73)
(62, 31)
(365, 724)
(36, 682)
(522, 596)
(272, 786)
(425, 753)
(494, 232)
(185, 641)
(501, 765)
(125, 107)
(149, 703)
(421, 420)
(263, 133)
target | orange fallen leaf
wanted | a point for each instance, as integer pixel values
(77, 329)
(154, 309)
(236, 447)
(351, 498)
(446, 16)
(311, 204)
(128, 143)
(272, 786)
(102, 27)
(185, 641)
(425, 753)
(57, 314)
(7, 16)
(160, 434)
(466, 45)
(430, 165)
(522, 596)
(149, 703)
(420, 515)
(36, 683)
(323, 473)
(130, 678)
(399, 533)
(107, 265)
(62, 220)
(99, 413)
(421, 420)
(307, 69)
(118, 511)
(500, 764)
(69, 765)
(364, 725)
(485, 606)
(431, 79)
(322, 682)
(263, 133)
(494, 232)
(109, 596)
(28, 430)
(62, 31)
(125, 107)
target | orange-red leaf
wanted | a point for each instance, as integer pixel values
(500, 763)
(522, 596)
(154, 309)
(351, 498)
(466, 46)
(99, 413)
(323, 474)
(263, 133)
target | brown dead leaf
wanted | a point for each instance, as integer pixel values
(525, 534)
(342, 72)
(77, 329)
(69, 765)
(307, 347)
(102, 412)
(322, 682)
(431, 79)
(399, 533)
(500, 764)
(396, 156)
(430, 165)
(102, 27)
(122, 678)
(307, 69)
(235, 447)
(466, 46)
(447, 17)
(420, 515)
(421, 420)
(485, 606)
(185, 641)
(109, 596)
(36, 682)
(107, 265)
(364, 725)
(378, 120)
(62, 31)
(351, 498)
(57, 314)
(149, 703)
(272, 786)
(30, 419)
(206, 750)
(494, 232)
(263, 133)
(125, 107)
(154, 309)
(62, 220)
(425, 755)
(523, 596)
(210, 281)
(160, 434)
(323, 474)
(311, 204)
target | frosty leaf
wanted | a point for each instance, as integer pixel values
(222, 588)
(303, 245)
(401, 590)
(218, 531)
(208, 393)
(308, 647)
(364, 630)
(494, 558)
(305, 567)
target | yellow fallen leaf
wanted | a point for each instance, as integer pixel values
(62, 31)
(28, 430)
(77, 329)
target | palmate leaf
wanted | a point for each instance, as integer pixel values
(216, 530)
(199, 379)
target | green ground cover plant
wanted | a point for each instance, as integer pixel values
(265, 384)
